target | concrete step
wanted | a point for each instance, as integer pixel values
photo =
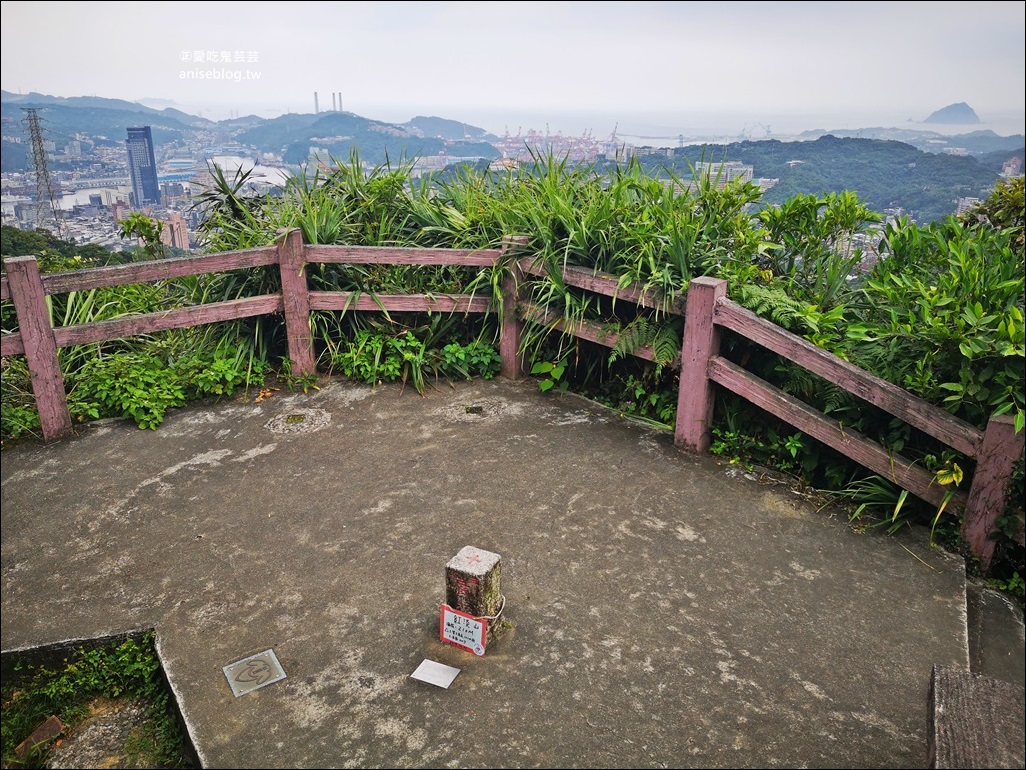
(995, 633)
(977, 715)
(975, 721)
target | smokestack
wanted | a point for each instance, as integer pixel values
(317, 109)
(333, 101)
(340, 101)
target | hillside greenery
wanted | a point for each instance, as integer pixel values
(885, 174)
(975, 143)
(939, 313)
(444, 128)
(341, 133)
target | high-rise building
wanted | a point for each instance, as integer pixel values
(142, 166)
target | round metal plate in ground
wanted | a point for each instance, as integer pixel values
(299, 421)
(476, 410)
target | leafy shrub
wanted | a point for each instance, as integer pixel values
(122, 668)
(406, 355)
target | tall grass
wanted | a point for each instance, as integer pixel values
(940, 314)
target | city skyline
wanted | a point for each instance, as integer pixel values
(648, 65)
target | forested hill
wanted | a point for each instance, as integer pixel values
(341, 132)
(885, 174)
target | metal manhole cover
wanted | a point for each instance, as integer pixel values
(299, 421)
(489, 409)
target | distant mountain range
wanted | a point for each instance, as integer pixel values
(168, 114)
(923, 171)
(339, 132)
(974, 143)
(292, 135)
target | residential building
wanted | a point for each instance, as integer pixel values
(966, 204)
(175, 233)
(722, 173)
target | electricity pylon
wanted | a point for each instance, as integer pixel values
(48, 206)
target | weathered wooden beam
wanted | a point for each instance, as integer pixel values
(586, 330)
(511, 326)
(157, 270)
(215, 312)
(364, 301)
(913, 410)
(902, 471)
(11, 344)
(695, 397)
(995, 463)
(37, 338)
(608, 284)
(296, 302)
(391, 255)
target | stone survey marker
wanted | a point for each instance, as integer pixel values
(472, 599)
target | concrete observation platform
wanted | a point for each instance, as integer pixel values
(667, 610)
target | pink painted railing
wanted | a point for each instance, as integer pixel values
(706, 310)
(39, 341)
(995, 450)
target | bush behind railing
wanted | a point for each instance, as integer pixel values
(940, 313)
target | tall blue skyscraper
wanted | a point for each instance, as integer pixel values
(142, 166)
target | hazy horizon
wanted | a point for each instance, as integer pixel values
(637, 127)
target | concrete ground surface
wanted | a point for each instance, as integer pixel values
(667, 610)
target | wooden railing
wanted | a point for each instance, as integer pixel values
(707, 309)
(995, 450)
(27, 288)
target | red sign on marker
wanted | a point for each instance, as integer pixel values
(462, 630)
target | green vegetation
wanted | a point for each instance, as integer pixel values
(411, 355)
(884, 174)
(50, 250)
(40, 685)
(340, 133)
(937, 310)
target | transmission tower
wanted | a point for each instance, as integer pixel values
(47, 204)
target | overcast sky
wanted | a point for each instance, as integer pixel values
(497, 63)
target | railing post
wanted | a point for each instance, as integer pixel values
(995, 462)
(512, 327)
(695, 398)
(296, 302)
(29, 300)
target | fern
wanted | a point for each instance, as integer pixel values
(667, 343)
(773, 303)
(635, 335)
(837, 400)
(664, 339)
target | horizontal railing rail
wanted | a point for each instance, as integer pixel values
(995, 450)
(705, 311)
